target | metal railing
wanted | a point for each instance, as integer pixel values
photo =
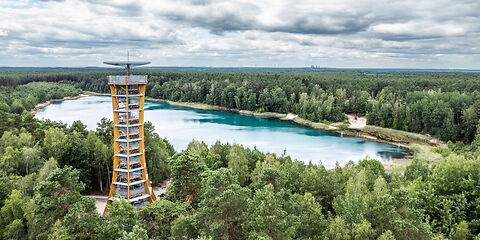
(133, 159)
(128, 79)
(131, 100)
(131, 115)
(132, 145)
(132, 130)
(123, 191)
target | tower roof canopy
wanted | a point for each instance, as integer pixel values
(125, 63)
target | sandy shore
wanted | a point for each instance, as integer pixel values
(40, 106)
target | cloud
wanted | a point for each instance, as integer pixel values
(73, 25)
(223, 16)
(243, 32)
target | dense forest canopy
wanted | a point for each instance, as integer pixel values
(227, 191)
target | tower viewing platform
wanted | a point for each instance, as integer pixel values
(127, 80)
(130, 176)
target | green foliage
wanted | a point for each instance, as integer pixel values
(158, 153)
(47, 168)
(453, 194)
(363, 230)
(223, 205)
(82, 219)
(353, 206)
(105, 130)
(222, 150)
(267, 217)
(184, 227)
(387, 235)
(78, 127)
(238, 162)
(30, 161)
(15, 230)
(312, 222)
(20, 156)
(54, 197)
(213, 161)
(199, 148)
(120, 219)
(138, 233)
(373, 169)
(461, 231)
(337, 230)
(53, 141)
(158, 216)
(398, 211)
(268, 172)
(59, 232)
(185, 180)
(417, 169)
(76, 153)
(12, 223)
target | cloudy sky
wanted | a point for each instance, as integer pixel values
(239, 33)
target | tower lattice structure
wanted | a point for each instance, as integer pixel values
(130, 176)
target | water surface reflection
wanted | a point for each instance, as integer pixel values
(180, 125)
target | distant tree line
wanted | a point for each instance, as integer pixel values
(446, 105)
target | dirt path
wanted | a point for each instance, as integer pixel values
(100, 202)
(358, 123)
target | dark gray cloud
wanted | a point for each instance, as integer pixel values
(216, 16)
(317, 25)
(219, 17)
(217, 25)
(123, 8)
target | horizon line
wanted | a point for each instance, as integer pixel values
(260, 67)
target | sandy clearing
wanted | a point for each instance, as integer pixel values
(358, 123)
(291, 116)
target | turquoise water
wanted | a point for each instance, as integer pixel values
(180, 125)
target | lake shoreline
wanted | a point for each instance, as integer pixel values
(369, 132)
(39, 107)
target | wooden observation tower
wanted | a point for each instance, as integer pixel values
(130, 176)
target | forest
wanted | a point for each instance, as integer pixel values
(443, 104)
(227, 191)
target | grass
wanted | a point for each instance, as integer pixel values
(426, 153)
(396, 134)
(308, 123)
(422, 151)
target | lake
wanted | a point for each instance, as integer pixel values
(181, 124)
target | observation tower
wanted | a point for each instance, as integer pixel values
(130, 177)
